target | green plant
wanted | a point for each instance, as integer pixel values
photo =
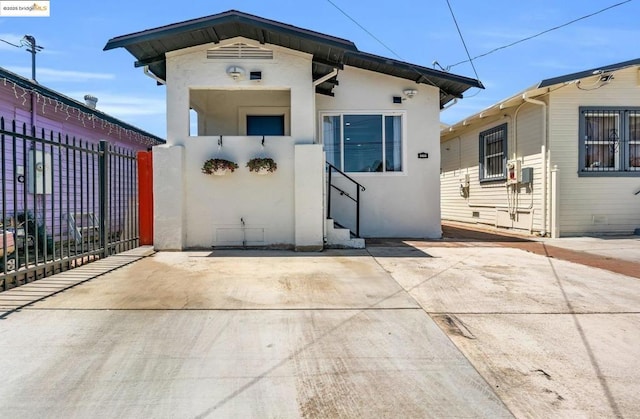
(216, 165)
(257, 164)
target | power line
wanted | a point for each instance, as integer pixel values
(365, 29)
(538, 34)
(413, 68)
(419, 73)
(462, 39)
(12, 44)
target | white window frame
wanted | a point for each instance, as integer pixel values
(635, 142)
(616, 151)
(382, 113)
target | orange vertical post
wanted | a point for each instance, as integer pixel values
(145, 197)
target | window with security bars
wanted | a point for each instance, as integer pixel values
(493, 154)
(609, 141)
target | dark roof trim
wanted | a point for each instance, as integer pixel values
(421, 73)
(150, 46)
(149, 61)
(45, 91)
(225, 17)
(587, 73)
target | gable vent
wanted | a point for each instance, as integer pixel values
(239, 50)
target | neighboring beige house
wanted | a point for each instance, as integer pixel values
(260, 88)
(561, 158)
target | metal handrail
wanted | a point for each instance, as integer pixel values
(359, 188)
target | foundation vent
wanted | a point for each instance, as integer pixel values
(239, 51)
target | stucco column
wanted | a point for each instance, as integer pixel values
(309, 210)
(168, 197)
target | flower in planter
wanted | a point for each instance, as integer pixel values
(262, 165)
(212, 166)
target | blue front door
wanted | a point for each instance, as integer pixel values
(265, 124)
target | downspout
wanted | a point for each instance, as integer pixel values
(315, 84)
(515, 131)
(450, 104)
(153, 76)
(325, 77)
(325, 187)
(543, 151)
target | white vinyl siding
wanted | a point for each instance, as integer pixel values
(601, 204)
(488, 202)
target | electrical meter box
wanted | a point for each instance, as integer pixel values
(527, 175)
(40, 175)
(513, 172)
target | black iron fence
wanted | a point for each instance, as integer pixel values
(63, 202)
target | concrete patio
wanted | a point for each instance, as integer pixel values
(405, 329)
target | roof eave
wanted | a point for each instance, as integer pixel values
(229, 16)
(587, 73)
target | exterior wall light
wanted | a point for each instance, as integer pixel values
(410, 93)
(235, 72)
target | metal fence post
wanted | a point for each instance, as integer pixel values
(329, 194)
(103, 200)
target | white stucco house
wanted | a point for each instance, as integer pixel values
(561, 158)
(239, 86)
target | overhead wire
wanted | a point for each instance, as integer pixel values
(455, 21)
(538, 34)
(364, 29)
(453, 16)
(12, 44)
(411, 66)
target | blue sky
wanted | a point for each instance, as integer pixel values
(418, 32)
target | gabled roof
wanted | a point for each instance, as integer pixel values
(150, 46)
(541, 88)
(28, 84)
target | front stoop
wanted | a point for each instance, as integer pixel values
(340, 238)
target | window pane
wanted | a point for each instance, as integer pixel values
(601, 127)
(600, 156)
(634, 141)
(331, 139)
(393, 143)
(362, 143)
(602, 140)
(494, 142)
(493, 167)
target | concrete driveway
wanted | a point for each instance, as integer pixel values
(403, 329)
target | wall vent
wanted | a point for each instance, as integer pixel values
(239, 50)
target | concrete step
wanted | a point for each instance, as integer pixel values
(341, 237)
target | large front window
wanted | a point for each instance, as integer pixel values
(369, 142)
(609, 141)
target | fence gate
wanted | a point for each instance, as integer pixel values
(64, 202)
(145, 195)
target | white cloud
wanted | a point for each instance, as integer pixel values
(48, 75)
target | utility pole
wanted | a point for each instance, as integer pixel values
(33, 49)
